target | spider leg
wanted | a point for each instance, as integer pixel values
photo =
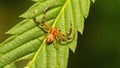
(34, 18)
(68, 34)
(60, 38)
(66, 38)
(44, 12)
(70, 30)
(44, 26)
(44, 16)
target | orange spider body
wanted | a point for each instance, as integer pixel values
(51, 35)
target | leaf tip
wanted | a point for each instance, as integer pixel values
(73, 48)
(9, 32)
(81, 30)
(21, 16)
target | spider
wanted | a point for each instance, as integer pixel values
(52, 32)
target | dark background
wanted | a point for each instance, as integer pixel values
(98, 47)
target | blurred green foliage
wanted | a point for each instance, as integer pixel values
(9, 12)
(98, 47)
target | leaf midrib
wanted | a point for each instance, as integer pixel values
(60, 13)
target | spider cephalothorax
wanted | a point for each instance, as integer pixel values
(52, 32)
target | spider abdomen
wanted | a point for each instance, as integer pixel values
(51, 35)
(50, 38)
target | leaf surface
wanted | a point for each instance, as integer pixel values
(28, 41)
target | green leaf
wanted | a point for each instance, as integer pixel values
(85, 4)
(28, 41)
(22, 27)
(12, 65)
